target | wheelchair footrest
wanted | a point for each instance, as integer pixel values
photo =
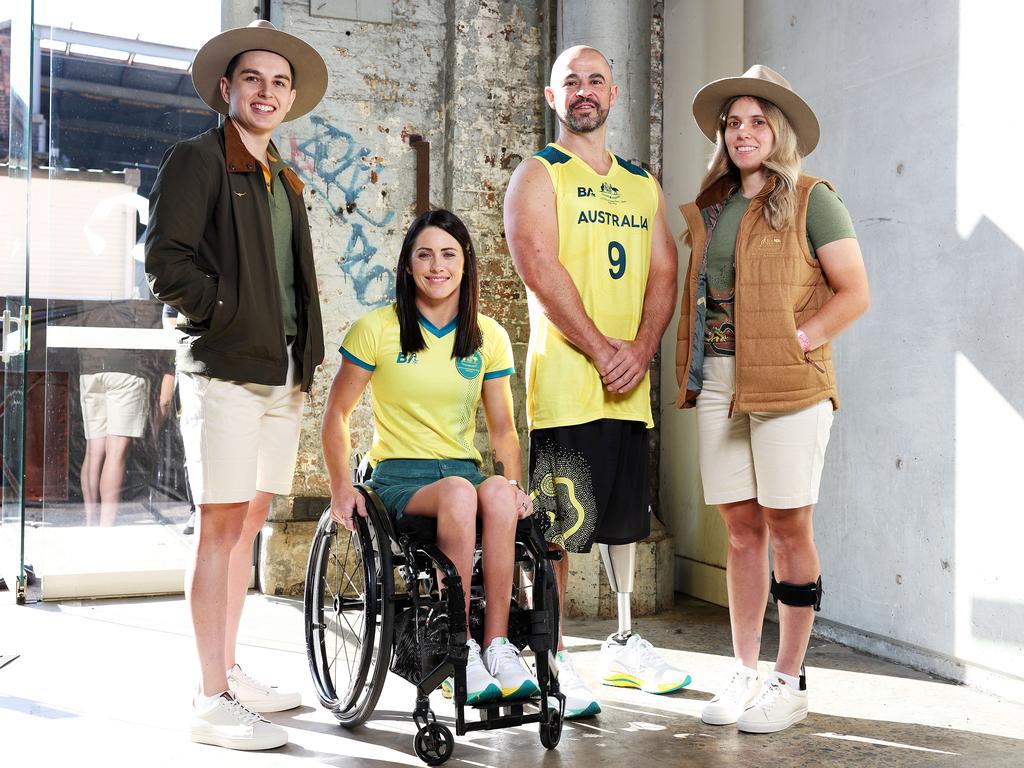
(492, 717)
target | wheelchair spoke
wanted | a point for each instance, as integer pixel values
(349, 617)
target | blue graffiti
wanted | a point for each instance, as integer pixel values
(334, 164)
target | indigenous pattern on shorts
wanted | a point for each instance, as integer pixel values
(563, 497)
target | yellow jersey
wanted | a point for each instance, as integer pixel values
(425, 403)
(605, 226)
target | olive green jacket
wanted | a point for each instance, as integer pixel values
(210, 255)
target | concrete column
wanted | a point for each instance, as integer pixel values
(622, 32)
(703, 41)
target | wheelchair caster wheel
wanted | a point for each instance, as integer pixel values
(434, 744)
(551, 730)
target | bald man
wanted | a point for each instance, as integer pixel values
(587, 232)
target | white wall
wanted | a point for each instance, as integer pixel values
(703, 41)
(920, 521)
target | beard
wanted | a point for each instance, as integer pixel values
(584, 124)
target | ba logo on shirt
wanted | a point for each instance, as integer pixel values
(404, 358)
(470, 367)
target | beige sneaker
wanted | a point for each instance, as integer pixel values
(731, 701)
(229, 724)
(260, 697)
(776, 707)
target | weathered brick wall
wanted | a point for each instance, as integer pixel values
(466, 76)
(495, 117)
(657, 110)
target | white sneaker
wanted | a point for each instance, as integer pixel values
(507, 667)
(227, 723)
(260, 697)
(729, 703)
(776, 707)
(480, 685)
(636, 664)
(579, 700)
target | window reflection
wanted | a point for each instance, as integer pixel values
(112, 453)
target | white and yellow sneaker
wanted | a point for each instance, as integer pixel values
(635, 664)
(507, 667)
(480, 685)
(580, 701)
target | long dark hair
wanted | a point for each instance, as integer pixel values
(468, 338)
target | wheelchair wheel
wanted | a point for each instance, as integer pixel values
(551, 729)
(434, 743)
(349, 616)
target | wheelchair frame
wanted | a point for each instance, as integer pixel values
(350, 606)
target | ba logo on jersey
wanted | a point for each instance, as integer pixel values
(404, 358)
(609, 192)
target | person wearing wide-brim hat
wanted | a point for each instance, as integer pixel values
(775, 273)
(228, 247)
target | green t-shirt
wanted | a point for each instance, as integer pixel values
(281, 224)
(827, 221)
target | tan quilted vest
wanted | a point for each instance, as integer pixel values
(779, 284)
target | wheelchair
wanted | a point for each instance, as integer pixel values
(386, 597)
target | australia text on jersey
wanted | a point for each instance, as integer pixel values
(612, 219)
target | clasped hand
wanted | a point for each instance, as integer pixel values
(626, 367)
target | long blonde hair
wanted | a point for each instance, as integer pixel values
(782, 165)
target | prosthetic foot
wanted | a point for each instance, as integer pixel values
(627, 660)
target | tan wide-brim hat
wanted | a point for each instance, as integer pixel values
(761, 82)
(213, 58)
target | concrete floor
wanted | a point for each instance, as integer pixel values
(108, 682)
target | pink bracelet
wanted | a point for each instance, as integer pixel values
(805, 343)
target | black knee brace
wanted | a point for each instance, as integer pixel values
(800, 595)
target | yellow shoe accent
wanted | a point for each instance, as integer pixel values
(622, 680)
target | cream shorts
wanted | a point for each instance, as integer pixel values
(239, 438)
(114, 404)
(776, 458)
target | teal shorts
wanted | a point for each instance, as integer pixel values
(396, 480)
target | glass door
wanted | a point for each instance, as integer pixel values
(108, 514)
(16, 88)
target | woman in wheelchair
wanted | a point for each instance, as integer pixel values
(431, 358)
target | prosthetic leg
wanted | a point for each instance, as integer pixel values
(620, 563)
(627, 660)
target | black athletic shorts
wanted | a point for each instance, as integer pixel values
(589, 482)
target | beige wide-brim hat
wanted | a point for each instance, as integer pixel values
(761, 82)
(213, 58)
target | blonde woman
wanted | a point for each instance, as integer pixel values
(775, 274)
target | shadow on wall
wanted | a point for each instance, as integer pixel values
(920, 516)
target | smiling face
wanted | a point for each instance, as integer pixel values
(260, 91)
(581, 90)
(436, 266)
(748, 136)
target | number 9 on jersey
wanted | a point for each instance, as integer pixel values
(617, 259)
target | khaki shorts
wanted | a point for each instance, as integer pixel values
(239, 438)
(114, 404)
(776, 458)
